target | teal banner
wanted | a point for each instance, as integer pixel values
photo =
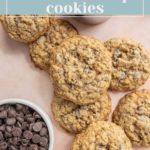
(75, 7)
(2, 6)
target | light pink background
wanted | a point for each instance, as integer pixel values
(20, 79)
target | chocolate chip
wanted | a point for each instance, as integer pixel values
(44, 141)
(15, 140)
(20, 119)
(20, 114)
(31, 126)
(28, 116)
(36, 115)
(37, 126)
(2, 128)
(24, 142)
(28, 134)
(24, 125)
(8, 128)
(43, 123)
(22, 147)
(26, 110)
(19, 107)
(10, 140)
(16, 132)
(1, 122)
(2, 107)
(3, 145)
(8, 134)
(42, 148)
(18, 124)
(36, 138)
(10, 121)
(43, 131)
(30, 119)
(33, 147)
(1, 136)
(11, 112)
(12, 148)
(3, 114)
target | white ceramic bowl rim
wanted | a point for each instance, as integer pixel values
(39, 110)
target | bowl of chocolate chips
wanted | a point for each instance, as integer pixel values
(24, 126)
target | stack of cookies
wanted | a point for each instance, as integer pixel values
(83, 69)
(81, 73)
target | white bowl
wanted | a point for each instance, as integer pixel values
(37, 109)
(93, 20)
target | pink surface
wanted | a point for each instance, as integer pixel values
(20, 79)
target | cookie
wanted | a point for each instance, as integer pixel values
(1, 18)
(102, 136)
(58, 31)
(133, 115)
(26, 28)
(131, 64)
(75, 118)
(81, 69)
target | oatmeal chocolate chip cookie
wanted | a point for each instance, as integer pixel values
(40, 50)
(1, 18)
(133, 115)
(75, 118)
(102, 135)
(26, 28)
(81, 69)
(131, 64)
